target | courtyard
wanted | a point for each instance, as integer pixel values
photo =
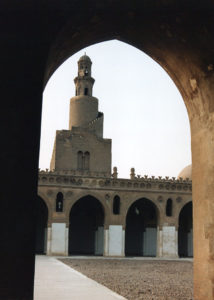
(139, 278)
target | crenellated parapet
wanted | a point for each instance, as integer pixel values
(87, 179)
(160, 178)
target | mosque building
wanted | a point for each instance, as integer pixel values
(85, 209)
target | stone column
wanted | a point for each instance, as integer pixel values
(167, 242)
(48, 247)
(59, 239)
(159, 241)
(105, 248)
(99, 241)
(203, 206)
(170, 242)
(114, 241)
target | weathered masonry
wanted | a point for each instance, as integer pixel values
(153, 216)
(84, 209)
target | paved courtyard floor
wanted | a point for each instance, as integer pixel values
(140, 278)
(56, 281)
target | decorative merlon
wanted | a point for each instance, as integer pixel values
(115, 174)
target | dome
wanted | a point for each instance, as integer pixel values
(186, 173)
(85, 58)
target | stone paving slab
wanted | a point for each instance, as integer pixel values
(56, 281)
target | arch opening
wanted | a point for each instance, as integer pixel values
(185, 232)
(86, 227)
(41, 227)
(143, 78)
(141, 229)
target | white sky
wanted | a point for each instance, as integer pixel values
(144, 113)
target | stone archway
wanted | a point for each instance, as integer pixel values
(86, 227)
(181, 53)
(185, 231)
(41, 227)
(178, 34)
(141, 229)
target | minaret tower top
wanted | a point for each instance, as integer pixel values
(83, 106)
(84, 66)
(84, 82)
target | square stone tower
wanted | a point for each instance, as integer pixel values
(82, 149)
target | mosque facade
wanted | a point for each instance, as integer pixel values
(85, 209)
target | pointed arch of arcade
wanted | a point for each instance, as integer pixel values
(86, 226)
(141, 228)
(153, 199)
(79, 195)
(183, 205)
(41, 226)
(185, 230)
(47, 203)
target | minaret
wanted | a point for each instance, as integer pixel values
(82, 148)
(83, 107)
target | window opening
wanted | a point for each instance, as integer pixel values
(80, 160)
(86, 160)
(169, 208)
(116, 205)
(59, 202)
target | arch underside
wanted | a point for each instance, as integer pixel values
(41, 227)
(185, 232)
(86, 227)
(141, 229)
(164, 40)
